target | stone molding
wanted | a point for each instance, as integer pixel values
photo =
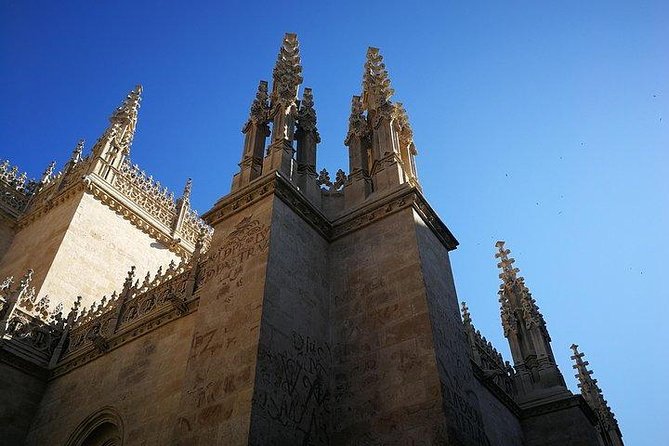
(122, 337)
(560, 404)
(140, 218)
(373, 209)
(495, 389)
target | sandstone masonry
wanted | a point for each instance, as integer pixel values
(305, 311)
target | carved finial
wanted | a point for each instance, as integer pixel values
(357, 125)
(124, 119)
(26, 280)
(77, 152)
(340, 180)
(46, 176)
(406, 132)
(128, 280)
(147, 280)
(7, 283)
(287, 74)
(466, 317)
(376, 89)
(127, 111)
(185, 196)
(74, 310)
(260, 106)
(324, 179)
(508, 273)
(306, 116)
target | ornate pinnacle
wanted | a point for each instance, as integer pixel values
(26, 280)
(357, 125)
(591, 391)
(466, 317)
(376, 90)
(128, 280)
(46, 176)
(508, 273)
(306, 116)
(287, 74)
(187, 190)
(260, 105)
(77, 152)
(406, 132)
(126, 113)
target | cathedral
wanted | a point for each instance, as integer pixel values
(301, 309)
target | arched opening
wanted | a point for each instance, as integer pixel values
(103, 428)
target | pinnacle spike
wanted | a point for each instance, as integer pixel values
(376, 89)
(187, 189)
(287, 75)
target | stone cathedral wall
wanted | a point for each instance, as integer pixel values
(20, 396)
(35, 245)
(292, 395)
(216, 396)
(385, 375)
(141, 380)
(7, 232)
(104, 245)
(463, 402)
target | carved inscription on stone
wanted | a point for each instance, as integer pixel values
(224, 265)
(294, 388)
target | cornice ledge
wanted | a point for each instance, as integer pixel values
(403, 197)
(434, 222)
(289, 194)
(110, 197)
(49, 204)
(560, 404)
(236, 201)
(19, 362)
(498, 392)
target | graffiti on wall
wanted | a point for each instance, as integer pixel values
(293, 387)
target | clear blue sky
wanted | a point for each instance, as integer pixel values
(545, 125)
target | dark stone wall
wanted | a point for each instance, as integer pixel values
(561, 423)
(20, 395)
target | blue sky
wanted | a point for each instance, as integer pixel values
(541, 124)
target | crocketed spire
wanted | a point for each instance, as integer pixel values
(287, 74)
(526, 332)
(375, 81)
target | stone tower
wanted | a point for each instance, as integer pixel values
(320, 312)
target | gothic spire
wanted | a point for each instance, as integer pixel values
(608, 426)
(256, 131)
(307, 138)
(375, 81)
(126, 113)
(526, 332)
(510, 279)
(286, 79)
(287, 74)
